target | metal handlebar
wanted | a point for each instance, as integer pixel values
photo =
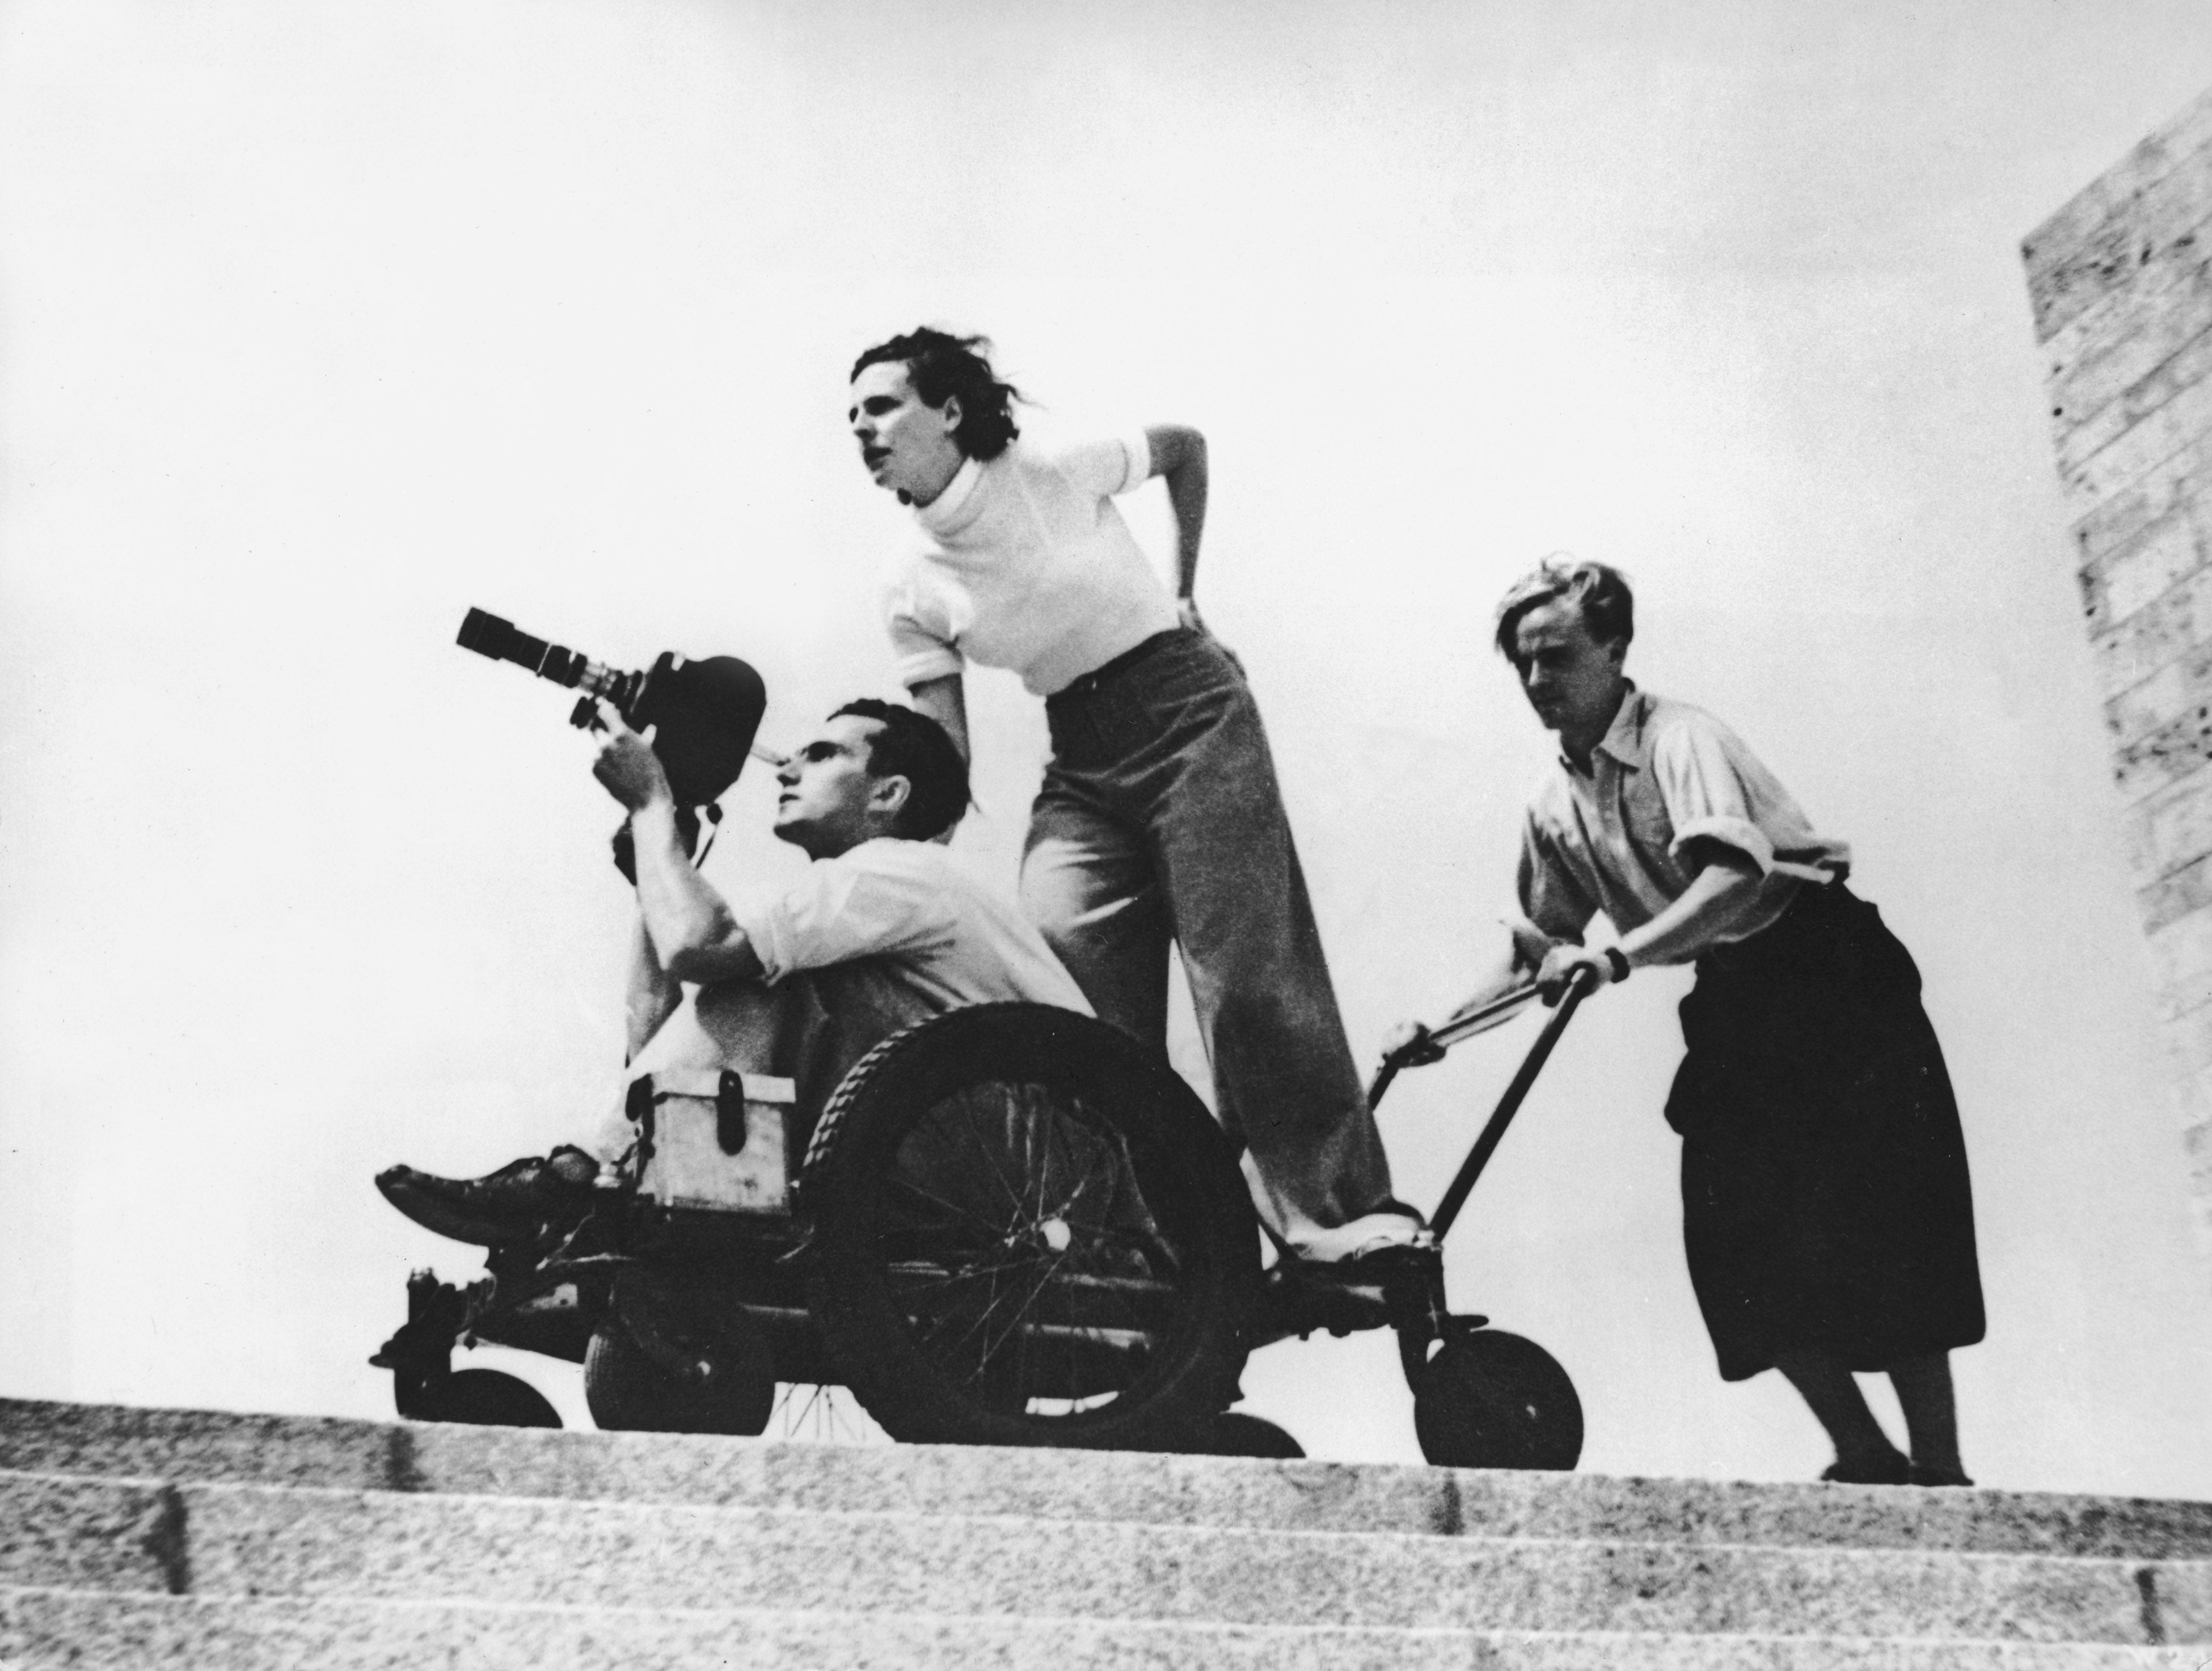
(1444, 1037)
(1581, 986)
(1583, 983)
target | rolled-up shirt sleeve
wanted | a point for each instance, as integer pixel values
(835, 914)
(1702, 783)
(922, 640)
(1118, 464)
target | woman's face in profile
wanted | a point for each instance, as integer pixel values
(906, 446)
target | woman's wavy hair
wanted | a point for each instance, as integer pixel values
(1601, 592)
(940, 366)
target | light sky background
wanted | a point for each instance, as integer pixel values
(320, 323)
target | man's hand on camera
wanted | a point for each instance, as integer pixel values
(627, 766)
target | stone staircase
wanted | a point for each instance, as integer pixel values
(134, 1538)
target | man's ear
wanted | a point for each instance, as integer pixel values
(889, 795)
(952, 411)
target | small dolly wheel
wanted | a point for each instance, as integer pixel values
(1491, 1400)
(481, 1398)
(1027, 1230)
(725, 1382)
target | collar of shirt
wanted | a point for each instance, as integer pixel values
(1624, 737)
(942, 515)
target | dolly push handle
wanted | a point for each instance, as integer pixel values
(1581, 986)
(1444, 1037)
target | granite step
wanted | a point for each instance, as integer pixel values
(217, 1447)
(151, 1537)
(92, 1631)
(132, 1537)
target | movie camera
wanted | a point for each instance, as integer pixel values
(703, 714)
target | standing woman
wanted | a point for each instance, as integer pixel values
(1159, 819)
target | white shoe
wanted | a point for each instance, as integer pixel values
(1370, 1233)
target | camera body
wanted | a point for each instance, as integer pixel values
(703, 713)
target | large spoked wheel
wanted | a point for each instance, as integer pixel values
(1027, 1230)
(1491, 1400)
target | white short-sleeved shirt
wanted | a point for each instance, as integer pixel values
(910, 907)
(1612, 839)
(1028, 566)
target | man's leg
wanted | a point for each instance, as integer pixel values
(1087, 884)
(1931, 1417)
(741, 1024)
(746, 1026)
(1864, 1455)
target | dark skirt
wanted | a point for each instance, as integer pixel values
(1826, 1205)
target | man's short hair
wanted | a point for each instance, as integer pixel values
(940, 366)
(1601, 592)
(912, 746)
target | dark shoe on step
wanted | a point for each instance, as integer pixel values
(1880, 1469)
(510, 1204)
(1927, 1476)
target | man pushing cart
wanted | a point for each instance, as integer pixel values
(1827, 1210)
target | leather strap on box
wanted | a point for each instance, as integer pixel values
(728, 1089)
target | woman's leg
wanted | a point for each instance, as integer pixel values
(1160, 817)
(1282, 1072)
(1088, 885)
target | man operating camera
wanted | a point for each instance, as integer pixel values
(883, 930)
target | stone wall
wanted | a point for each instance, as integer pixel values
(2121, 283)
